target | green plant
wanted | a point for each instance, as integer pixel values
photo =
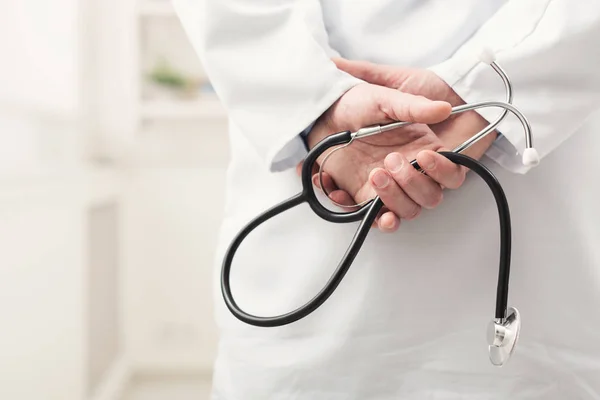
(165, 75)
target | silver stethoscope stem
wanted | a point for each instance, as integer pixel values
(376, 130)
(500, 104)
(485, 131)
(506, 106)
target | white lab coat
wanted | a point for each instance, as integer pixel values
(409, 319)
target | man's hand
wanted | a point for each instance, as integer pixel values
(379, 165)
(454, 130)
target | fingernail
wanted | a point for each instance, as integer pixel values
(380, 179)
(394, 162)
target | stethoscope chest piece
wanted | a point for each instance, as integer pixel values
(503, 336)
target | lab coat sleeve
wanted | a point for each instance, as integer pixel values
(270, 65)
(551, 53)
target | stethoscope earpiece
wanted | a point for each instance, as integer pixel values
(531, 158)
(503, 336)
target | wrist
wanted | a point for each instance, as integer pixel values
(324, 126)
(304, 135)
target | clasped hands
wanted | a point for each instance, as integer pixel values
(380, 165)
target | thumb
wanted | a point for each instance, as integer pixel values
(377, 74)
(399, 106)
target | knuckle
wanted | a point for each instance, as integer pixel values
(413, 213)
(435, 199)
(458, 180)
(409, 112)
(462, 176)
(402, 112)
(406, 179)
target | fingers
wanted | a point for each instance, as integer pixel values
(400, 106)
(337, 195)
(407, 80)
(377, 74)
(328, 183)
(405, 191)
(342, 197)
(315, 168)
(395, 199)
(420, 188)
(441, 170)
(367, 104)
(388, 222)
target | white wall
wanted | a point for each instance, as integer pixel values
(43, 203)
(170, 263)
(174, 203)
(174, 165)
(41, 285)
(46, 251)
(47, 192)
(41, 96)
(84, 298)
(41, 60)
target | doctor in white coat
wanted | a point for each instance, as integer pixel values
(409, 319)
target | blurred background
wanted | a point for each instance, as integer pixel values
(112, 160)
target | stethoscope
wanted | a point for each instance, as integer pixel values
(504, 329)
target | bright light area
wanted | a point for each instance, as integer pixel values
(107, 255)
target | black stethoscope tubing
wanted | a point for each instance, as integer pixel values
(366, 215)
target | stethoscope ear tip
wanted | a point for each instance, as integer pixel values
(531, 158)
